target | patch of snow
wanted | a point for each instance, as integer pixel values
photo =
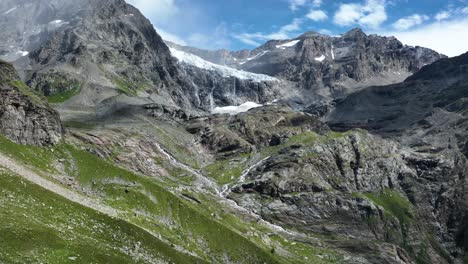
(225, 71)
(255, 57)
(332, 52)
(288, 45)
(22, 53)
(10, 10)
(57, 23)
(234, 110)
(320, 59)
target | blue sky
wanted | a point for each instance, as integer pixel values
(239, 24)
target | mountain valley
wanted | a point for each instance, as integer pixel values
(119, 147)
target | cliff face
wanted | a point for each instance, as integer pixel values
(352, 187)
(24, 116)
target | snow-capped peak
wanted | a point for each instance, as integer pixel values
(225, 71)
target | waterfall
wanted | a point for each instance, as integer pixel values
(212, 104)
(226, 189)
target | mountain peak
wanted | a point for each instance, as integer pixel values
(355, 32)
(309, 34)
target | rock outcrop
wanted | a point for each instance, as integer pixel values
(25, 117)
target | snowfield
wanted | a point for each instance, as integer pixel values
(223, 70)
(234, 110)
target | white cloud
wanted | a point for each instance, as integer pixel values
(295, 4)
(160, 11)
(325, 32)
(465, 10)
(410, 21)
(218, 39)
(171, 37)
(317, 15)
(442, 15)
(370, 13)
(284, 32)
(442, 36)
(317, 3)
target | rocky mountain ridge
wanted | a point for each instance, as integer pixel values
(328, 67)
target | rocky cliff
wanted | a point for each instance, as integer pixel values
(25, 117)
(351, 187)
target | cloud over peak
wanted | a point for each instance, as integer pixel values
(371, 13)
(410, 21)
(317, 15)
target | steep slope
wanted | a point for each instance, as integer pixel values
(442, 85)
(25, 117)
(72, 232)
(379, 199)
(427, 112)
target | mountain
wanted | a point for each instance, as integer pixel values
(105, 55)
(439, 87)
(329, 67)
(64, 41)
(317, 149)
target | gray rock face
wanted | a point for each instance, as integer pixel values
(228, 135)
(363, 188)
(352, 187)
(442, 85)
(24, 117)
(427, 112)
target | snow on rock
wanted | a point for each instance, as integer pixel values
(10, 10)
(332, 52)
(320, 59)
(57, 23)
(223, 70)
(254, 57)
(288, 45)
(22, 53)
(234, 110)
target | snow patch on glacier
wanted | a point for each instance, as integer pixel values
(225, 71)
(234, 110)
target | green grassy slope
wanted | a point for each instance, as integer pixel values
(182, 223)
(38, 226)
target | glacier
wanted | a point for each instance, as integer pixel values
(225, 71)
